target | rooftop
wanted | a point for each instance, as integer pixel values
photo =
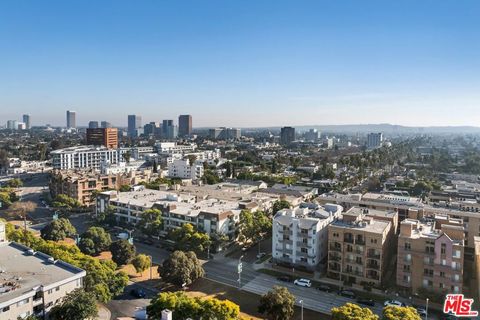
(367, 224)
(23, 270)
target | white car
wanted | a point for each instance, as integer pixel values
(394, 303)
(303, 283)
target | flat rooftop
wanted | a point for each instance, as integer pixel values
(21, 271)
(367, 224)
(372, 212)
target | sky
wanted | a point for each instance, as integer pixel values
(242, 63)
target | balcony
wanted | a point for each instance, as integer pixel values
(334, 267)
(373, 255)
(335, 257)
(373, 276)
(348, 240)
(354, 272)
(360, 241)
(335, 248)
(374, 266)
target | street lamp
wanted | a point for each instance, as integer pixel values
(239, 268)
(426, 310)
(301, 308)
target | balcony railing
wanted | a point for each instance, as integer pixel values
(335, 257)
(348, 240)
(373, 266)
(360, 242)
(335, 248)
(373, 255)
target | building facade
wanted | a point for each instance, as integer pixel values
(71, 119)
(225, 133)
(184, 125)
(89, 157)
(430, 255)
(183, 169)
(359, 248)
(93, 124)
(134, 123)
(374, 140)
(26, 120)
(107, 137)
(300, 236)
(287, 135)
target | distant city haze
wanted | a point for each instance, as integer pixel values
(241, 63)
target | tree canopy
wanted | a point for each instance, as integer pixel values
(403, 313)
(94, 241)
(186, 238)
(58, 230)
(279, 205)
(150, 222)
(351, 311)
(181, 268)
(64, 201)
(141, 262)
(277, 304)
(184, 307)
(253, 226)
(77, 305)
(122, 252)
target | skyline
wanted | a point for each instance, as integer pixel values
(242, 64)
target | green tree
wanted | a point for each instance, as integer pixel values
(400, 313)
(77, 305)
(58, 230)
(253, 226)
(352, 311)
(150, 222)
(141, 262)
(124, 188)
(64, 201)
(210, 177)
(5, 200)
(122, 252)
(181, 268)
(421, 188)
(277, 304)
(126, 156)
(184, 307)
(14, 183)
(94, 241)
(279, 205)
(186, 238)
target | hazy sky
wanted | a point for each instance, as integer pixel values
(242, 63)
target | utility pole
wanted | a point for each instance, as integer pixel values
(151, 264)
(301, 308)
(426, 310)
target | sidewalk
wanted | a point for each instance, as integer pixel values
(103, 313)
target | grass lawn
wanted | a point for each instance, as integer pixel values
(247, 301)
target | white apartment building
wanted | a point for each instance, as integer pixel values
(209, 216)
(167, 148)
(31, 283)
(300, 235)
(181, 168)
(84, 157)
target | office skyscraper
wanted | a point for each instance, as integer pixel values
(374, 140)
(134, 122)
(185, 125)
(169, 130)
(107, 137)
(93, 124)
(71, 119)
(26, 120)
(106, 124)
(287, 135)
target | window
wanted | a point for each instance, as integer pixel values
(406, 267)
(442, 274)
(408, 246)
(441, 285)
(443, 249)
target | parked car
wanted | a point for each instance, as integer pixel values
(138, 293)
(284, 278)
(422, 312)
(261, 255)
(303, 283)
(366, 301)
(394, 303)
(324, 287)
(347, 293)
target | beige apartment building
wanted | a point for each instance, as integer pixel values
(430, 255)
(31, 283)
(83, 185)
(360, 247)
